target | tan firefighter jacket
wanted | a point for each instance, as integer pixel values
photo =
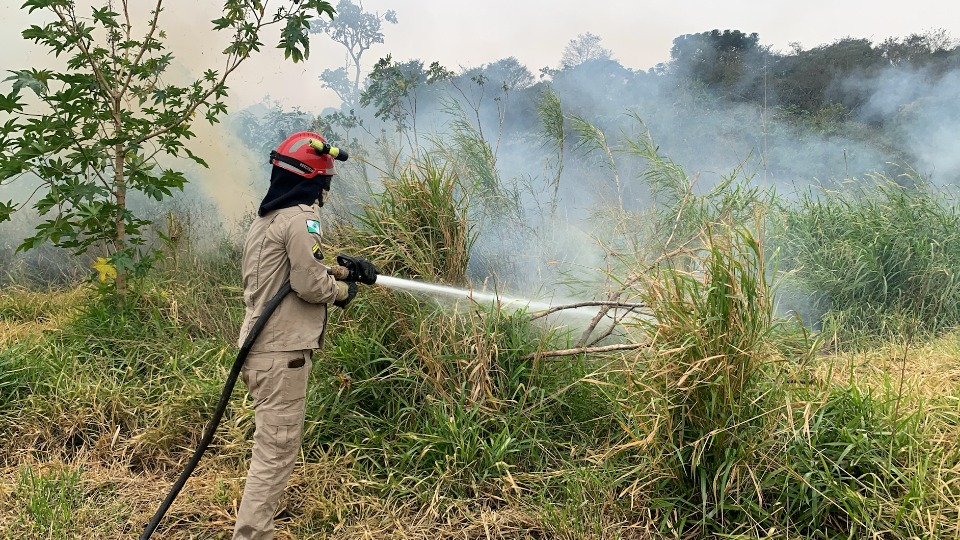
(285, 245)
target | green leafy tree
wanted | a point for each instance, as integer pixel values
(726, 62)
(917, 49)
(96, 130)
(812, 80)
(393, 88)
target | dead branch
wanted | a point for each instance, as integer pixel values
(585, 350)
(595, 303)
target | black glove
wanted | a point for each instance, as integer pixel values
(360, 269)
(351, 292)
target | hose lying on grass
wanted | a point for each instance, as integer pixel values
(218, 412)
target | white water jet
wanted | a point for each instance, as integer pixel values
(503, 302)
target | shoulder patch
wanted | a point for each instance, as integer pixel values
(313, 226)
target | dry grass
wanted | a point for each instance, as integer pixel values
(931, 370)
(419, 226)
(323, 501)
(25, 313)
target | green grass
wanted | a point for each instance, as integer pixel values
(878, 256)
(49, 500)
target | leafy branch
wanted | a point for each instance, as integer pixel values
(104, 121)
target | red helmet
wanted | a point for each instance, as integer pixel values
(297, 155)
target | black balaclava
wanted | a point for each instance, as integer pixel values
(288, 189)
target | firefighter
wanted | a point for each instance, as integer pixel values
(283, 244)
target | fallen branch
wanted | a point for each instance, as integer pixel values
(596, 303)
(584, 350)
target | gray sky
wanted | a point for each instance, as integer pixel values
(468, 34)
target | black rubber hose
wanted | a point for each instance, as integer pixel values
(218, 412)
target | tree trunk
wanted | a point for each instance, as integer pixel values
(120, 230)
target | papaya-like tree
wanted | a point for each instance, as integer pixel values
(97, 129)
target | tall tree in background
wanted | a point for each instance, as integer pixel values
(583, 48)
(394, 88)
(718, 60)
(916, 48)
(496, 81)
(263, 132)
(96, 128)
(509, 72)
(357, 30)
(812, 80)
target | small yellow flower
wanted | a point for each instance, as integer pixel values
(106, 270)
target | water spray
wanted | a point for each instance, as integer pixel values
(484, 298)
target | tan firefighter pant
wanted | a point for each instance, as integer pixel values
(277, 381)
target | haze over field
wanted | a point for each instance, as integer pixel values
(464, 34)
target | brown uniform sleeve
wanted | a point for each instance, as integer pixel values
(308, 275)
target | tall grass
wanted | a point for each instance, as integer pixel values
(444, 403)
(418, 226)
(853, 466)
(494, 205)
(710, 350)
(743, 449)
(553, 136)
(466, 148)
(878, 258)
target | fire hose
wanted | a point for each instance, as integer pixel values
(214, 422)
(363, 269)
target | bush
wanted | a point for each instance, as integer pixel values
(427, 399)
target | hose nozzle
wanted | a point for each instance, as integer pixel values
(323, 148)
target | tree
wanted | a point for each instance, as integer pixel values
(718, 60)
(263, 130)
(357, 31)
(583, 48)
(916, 49)
(497, 80)
(394, 88)
(596, 85)
(812, 80)
(98, 127)
(338, 81)
(509, 72)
